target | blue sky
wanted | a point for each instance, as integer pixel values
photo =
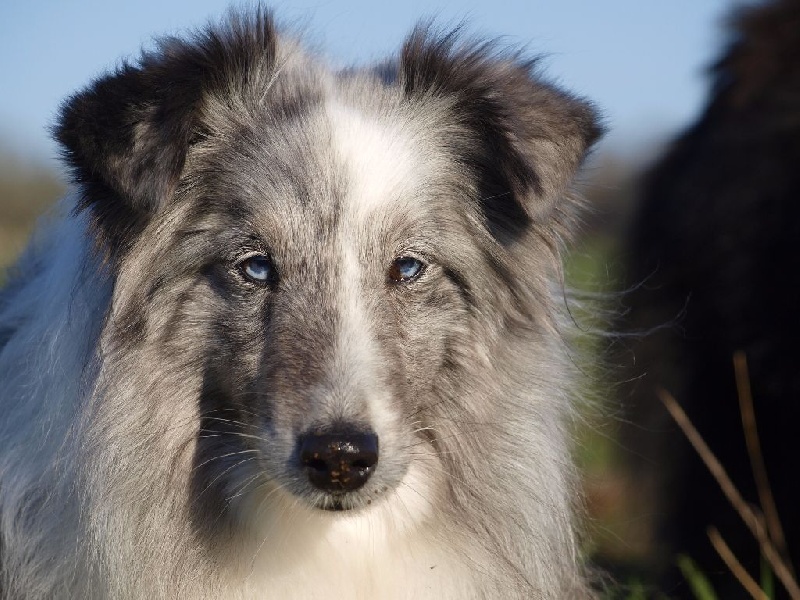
(641, 61)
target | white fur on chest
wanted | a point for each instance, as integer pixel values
(392, 551)
(336, 570)
(352, 559)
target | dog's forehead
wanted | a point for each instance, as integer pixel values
(348, 159)
(381, 158)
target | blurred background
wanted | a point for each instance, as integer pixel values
(643, 63)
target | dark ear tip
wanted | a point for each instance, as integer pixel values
(593, 123)
(61, 128)
(584, 122)
(66, 131)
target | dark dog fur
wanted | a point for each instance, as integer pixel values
(713, 252)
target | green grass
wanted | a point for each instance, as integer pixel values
(26, 192)
(701, 587)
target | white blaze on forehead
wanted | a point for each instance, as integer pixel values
(377, 154)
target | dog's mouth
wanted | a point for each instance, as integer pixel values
(343, 502)
(336, 505)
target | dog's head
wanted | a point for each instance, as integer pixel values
(320, 267)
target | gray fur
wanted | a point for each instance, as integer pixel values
(152, 395)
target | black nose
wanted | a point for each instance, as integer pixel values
(339, 462)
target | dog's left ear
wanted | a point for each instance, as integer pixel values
(523, 139)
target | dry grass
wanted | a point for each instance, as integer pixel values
(765, 526)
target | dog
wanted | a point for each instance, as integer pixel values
(296, 333)
(707, 257)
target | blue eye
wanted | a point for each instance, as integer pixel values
(257, 268)
(406, 268)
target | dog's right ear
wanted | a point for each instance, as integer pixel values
(523, 138)
(125, 139)
(127, 135)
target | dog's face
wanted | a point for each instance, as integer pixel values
(334, 264)
(320, 263)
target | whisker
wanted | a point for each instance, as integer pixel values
(231, 421)
(228, 470)
(439, 439)
(221, 456)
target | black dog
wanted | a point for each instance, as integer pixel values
(714, 252)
